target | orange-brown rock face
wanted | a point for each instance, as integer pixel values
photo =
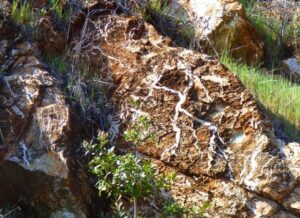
(221, 25)
(209, 127)
(37, 132)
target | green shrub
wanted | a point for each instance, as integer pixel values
(129, 175)
(141, 132)
(122, 175)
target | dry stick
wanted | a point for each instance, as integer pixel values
(80, 46)
(214, 49)
(135, 208)
(78, 49)
(69, 25)
(5, 215)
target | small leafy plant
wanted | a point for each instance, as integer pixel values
(141, 130)
(173, 209)
(121, 175)
(128, 175)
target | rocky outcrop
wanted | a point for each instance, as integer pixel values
(38, 137)
(221, 26)
(210, 130)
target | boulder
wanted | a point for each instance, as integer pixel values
(209, 128)
(222, 24)
(220, 27)
(291, 68)
(38, 138)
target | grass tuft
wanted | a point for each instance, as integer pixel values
(21, 12)
(58, 63)
(280, 97)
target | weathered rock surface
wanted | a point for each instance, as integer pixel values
(291, 68)
(37, 138)
(221, 26)
(210, 130)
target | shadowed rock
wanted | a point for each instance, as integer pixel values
(38, 138)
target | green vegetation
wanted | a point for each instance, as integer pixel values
(129, 175)
(280, 97)
(63, 13)
(141, 132)
(122, 175)
(86, 88)
(21, 12)
(173, 209)
(58, 63)
(280, 33)
(25, 15)
(293, 33)
(57, 7)
(150, 8)
(159, 6)
(271, 38)
(200, 210)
